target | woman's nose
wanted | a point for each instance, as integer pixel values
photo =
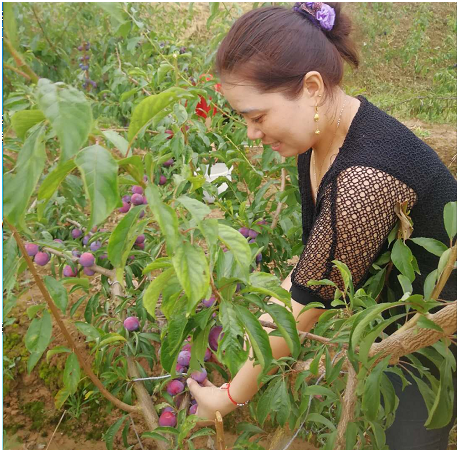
(254, 133)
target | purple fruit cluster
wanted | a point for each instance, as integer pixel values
(84, 66)
(136, 199)
(248, 233)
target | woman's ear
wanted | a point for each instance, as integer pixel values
(313, 85)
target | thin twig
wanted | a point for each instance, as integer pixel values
(96, 268)
(136, 434)
(42, 29)
(128, 76)
(75, 223)
(55, 430)
(11, 68)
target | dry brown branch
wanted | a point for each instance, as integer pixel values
(347, 410)
(72, 345)
(438, 287)
(220, 431)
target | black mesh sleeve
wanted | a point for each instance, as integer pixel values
(357, 213)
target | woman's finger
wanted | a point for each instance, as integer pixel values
(208, 384)
(194, 388)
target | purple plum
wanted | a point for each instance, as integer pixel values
(77, 233)
(58, 241)
(145, 178)
(174, 387)
(142, 214)
(86, 239)
(76, 253)
(88, 272)
(244, 232)
(168, 163)
(208, 303)
(199, 376)
(193, 409)
(31, 249)
(167, 419)
(69, 272)
(258, 258)
(162, 180)
(253, 234)
(140, 246)
(95, 245)
(180, 369)
(207, 355)
(145, 200)
(136, 199)
(124, 209)
(140, 239)
(137, 189)
(87, 260)
(132, 323)
(186, 347)
(42, 258)
(168, 409)
(126, 198)
(215, 335)
(184, 358)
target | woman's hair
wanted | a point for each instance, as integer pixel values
(274, 47)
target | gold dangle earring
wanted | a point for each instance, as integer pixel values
(316, 117)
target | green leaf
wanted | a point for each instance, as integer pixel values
(57, 292)
(54, 178)
(123, 237)
(319, 419)
(161, 262)
(9, 24)
(19, 188)
(238, 246)
(32, 311)
(154, 108)
(23, 120)
(37, 338)
(71, 373)
(197, 209)
(429, 284)
(165, 217)
(55, 351)
(405, 283)
(259, 339)
(192, 270)
(99, 171)
(115, 9)
(431, 245)
(286, 325)
(442, 409)
(204, 432)
(443, 260)
(346, 275)
(375, 283)
(171, 344)
(281, 402)
(450, 219)
(424, 322)
(371, 400)
(268, 284)
(234, 356)
(113, 429)
(61, 397)
(110, 338)
(118, 141)
(69, 113)
(320, 390)
(91, 332)
(401, 256)
(151, 295)
(351, 435)
(133, 165)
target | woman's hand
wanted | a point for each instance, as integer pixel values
(210, 399)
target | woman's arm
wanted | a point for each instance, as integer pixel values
(244, 385)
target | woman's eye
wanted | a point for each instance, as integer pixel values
(257, 120)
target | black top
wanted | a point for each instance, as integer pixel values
(380, 162)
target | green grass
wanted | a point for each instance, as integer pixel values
(408, 58)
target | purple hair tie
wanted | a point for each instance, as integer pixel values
(318, 13)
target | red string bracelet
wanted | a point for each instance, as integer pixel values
(227, 387)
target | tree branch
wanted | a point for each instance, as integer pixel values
(11, 68)
(73, 346)
(282, 188)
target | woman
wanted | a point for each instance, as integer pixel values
(281, 70)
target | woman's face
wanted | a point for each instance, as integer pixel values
(288, 126)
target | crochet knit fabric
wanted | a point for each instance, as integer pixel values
(380, 163)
